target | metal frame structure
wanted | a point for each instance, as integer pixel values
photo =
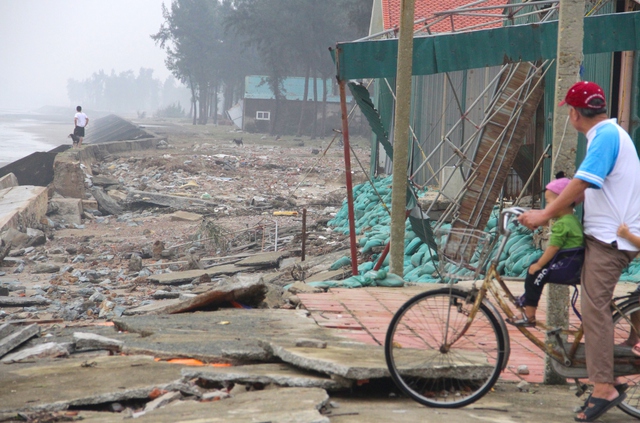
(463, 158)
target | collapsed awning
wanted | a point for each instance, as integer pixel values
(484, 48)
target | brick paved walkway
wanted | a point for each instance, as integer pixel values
(364, 314)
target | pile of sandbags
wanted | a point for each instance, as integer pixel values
(421, 263)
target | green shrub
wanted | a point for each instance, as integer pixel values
(173, 110)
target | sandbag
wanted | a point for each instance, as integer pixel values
(341, 262)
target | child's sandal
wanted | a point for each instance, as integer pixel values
(523, 322)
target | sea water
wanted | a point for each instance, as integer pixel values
(16, 141)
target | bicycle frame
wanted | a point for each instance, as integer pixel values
(496, 286)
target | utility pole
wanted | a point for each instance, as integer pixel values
(401, 136)
(564, 144)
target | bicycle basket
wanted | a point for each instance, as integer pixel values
(463, 252)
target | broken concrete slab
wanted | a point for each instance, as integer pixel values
(286, 405)
(263, 260)
(116, 194)
(152, 308)
(249, 292)
(274, 373)
(358, 362)
(47, 350)
(17, 337)
(183, 216)
(68, 210)
(22, 206)
(350, 362)
(7, 329)
(173, 201)
(331, 275)
(178, 278)
(23, 301)
(234, 336)
(104, 181)
(68, 175)
(9, 180)
(106, 204)
(91, 341)
(162, 400)
(75, 382)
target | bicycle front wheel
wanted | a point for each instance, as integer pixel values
(625, 334)
(430, 358)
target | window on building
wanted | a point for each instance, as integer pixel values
(263, 115)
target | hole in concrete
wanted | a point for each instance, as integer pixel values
(375, 388)
(113, 407)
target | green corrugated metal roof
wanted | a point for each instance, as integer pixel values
(256, 87)
(491, 47)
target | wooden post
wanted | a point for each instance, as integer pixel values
(401, 136)
(565, 144)
(304, 235)
(626, 82)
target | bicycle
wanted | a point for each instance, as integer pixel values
(446, 348)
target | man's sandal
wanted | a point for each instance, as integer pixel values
(621, 388)
(598, 406)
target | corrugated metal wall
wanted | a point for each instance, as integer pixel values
(438, 103)
(436, 109)
(596, 68)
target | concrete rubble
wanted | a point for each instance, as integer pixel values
(147, 282)
(138, 241)
(266, 374)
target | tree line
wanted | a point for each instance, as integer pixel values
(127, 92)
(211, 45)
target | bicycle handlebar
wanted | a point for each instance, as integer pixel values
(503, 223)
(506, 216)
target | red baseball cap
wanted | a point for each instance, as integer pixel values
(581, 93)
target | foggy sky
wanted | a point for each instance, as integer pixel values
(43, 43)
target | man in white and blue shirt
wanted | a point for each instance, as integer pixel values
(609, 177)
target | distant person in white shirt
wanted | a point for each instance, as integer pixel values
(81, 121)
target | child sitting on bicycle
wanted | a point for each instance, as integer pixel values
(633, 342)
(566, 233)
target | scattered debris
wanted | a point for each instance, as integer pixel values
(12, 336)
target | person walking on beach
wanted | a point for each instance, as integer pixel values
(81, 121)
(608, 177)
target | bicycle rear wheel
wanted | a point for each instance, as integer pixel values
(432, 373)
(623, 333)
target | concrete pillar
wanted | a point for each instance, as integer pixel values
(401, 136)
(565, 143)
